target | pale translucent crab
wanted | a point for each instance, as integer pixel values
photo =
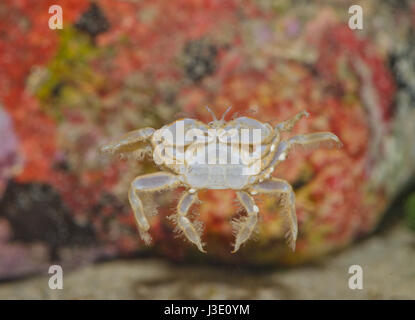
(237, 158)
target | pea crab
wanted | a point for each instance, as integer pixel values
(237, 161)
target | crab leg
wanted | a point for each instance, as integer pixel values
(191, 231)
(284, 190)
(148, 183)
(287, 125)
(246, 225)
(134, 142)
(314, 140)
(308, 141)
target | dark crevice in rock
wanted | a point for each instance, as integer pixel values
(93, 21)
(199, 59)
(35, 212)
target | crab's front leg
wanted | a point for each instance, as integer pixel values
(133, 143)
(307, 141)
(245, 225)
(148, 183)
(192, 231)
(273, 186)
(314, 140)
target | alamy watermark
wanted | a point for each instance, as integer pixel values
(209, 147)
(356, 20)
(56, 280)
(356, 280)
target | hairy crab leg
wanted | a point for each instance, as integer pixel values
(287, 125)
(284, 190)
(134, 142)
(148, 183)
(191, 231)
(245, 226)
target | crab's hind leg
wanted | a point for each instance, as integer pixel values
(246, 225)
(148, 183)
(191, 230)
(284, 191)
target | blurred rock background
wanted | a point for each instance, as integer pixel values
(121, 65)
